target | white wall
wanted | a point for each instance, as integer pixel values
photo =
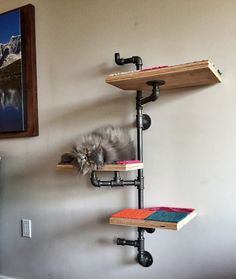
(190, 154)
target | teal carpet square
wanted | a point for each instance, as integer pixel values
(166, 216)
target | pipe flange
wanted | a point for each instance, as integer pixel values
(156, 82)
(150, 230)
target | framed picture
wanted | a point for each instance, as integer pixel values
(18, 82)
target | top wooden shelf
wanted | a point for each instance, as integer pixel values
(178, 76)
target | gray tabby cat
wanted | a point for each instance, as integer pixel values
(104, 145)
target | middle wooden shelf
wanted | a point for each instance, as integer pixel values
(106, 167)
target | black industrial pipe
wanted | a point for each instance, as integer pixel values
(143, 122)
(155, 91)
(116, 182)
(134, 59)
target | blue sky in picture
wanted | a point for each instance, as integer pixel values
(9, 25)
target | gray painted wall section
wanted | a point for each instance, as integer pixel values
(190, 154)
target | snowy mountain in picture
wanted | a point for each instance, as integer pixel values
(10, 52)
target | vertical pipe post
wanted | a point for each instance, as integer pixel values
(144, 257)
(139, 125)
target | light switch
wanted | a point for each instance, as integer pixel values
(26, 228)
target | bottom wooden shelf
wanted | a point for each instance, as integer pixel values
(171, 218)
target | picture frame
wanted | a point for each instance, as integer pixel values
(18, 77)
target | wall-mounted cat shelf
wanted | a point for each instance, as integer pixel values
(179, 76)
(166, 77)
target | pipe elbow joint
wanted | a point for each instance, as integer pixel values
(95, 182)
(155, 96)
(137, 60)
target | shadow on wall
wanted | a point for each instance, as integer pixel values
(96, 112)
(80, 118)
(167, 97)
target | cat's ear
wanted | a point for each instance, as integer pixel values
(68, 158)
(94, 147)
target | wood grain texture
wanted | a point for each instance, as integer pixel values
(178, 76)
(122, 167)
(107, 167)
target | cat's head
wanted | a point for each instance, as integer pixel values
(84, 159)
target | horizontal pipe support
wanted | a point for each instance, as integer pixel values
(125, 242)
(113, 183)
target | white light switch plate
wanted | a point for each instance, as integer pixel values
(26, 228)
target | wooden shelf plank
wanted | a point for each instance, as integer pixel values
(160, 217)
(107, 167)
(122, 167)
(65, 167)
(178, 76)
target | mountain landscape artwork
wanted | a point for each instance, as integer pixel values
(12, 115)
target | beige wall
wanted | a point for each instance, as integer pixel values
(190, 154)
